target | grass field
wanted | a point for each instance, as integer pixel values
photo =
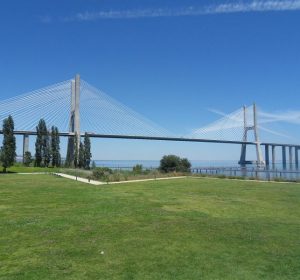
(18, 168)
(52, 228)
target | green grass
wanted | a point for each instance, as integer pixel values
(53, 228)
(19, 168)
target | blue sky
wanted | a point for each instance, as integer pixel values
(169, 60)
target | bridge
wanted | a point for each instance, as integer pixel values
(77, 108)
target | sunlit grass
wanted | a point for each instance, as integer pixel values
(53, 228)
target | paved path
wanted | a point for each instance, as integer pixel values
(92, 182)
(79, 179)
(33, 173)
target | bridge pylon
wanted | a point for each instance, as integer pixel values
(74, 124)
(259, 157)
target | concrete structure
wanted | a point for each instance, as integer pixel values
(75, 105)
(74, 125)
(283, 157)
(291, 157)
(247, 128)
(76, 111)
(25, 145)
(273, 157)
(267, 157)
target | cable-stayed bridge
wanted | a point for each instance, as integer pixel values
(76, 108)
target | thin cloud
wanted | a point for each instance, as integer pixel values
(240, 7)
(235, 120)
(292, 117)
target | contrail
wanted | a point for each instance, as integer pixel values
(225, 8)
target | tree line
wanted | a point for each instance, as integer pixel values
(47, 148)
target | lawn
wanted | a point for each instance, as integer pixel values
(52, 228)
(18, 168)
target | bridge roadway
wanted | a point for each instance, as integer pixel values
(296, 148)
(108, 136)
(157, 138)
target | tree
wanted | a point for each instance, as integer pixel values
(76, 151)
(42, 145)
(57, 142)
(171, 163)
(137, 169)
(38, 145)
(8, 150)
(47, 150)
(27, 158)
(185, 165)
(55, 147)
(81, 163)
(70, 152)
(87, 151)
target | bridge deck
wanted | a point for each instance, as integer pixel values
(157, 138)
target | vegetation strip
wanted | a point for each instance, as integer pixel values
(93, 182)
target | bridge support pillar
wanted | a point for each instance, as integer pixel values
(267, 156)
(273, 157)
(243, 162)
(296, 158)
(284, 157)
(76, 112)
(291, 157)
(74, 127)
(25, 145)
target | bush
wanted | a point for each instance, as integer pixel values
(102, 173)
(172, 163)
(27, 158)
(137, 169)
(117, 177)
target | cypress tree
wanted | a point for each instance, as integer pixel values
(38, 144)
(87, 151)
(81, 163)
(42, 145)
(55, 147)
(8, 150)
(46, 149)
(58, 156)
(70, 152)
(76, 152)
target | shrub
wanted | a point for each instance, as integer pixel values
(117, 177)
(137, 169)
(27, 158)
(172, 163)
(102, 173)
